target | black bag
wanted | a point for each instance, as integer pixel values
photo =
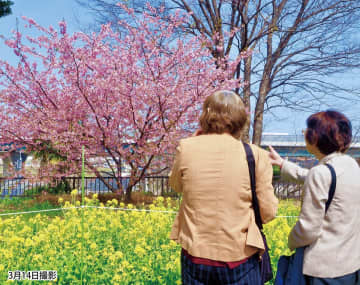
(289, 269)
(265, 262)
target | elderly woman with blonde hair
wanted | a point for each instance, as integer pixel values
(215, 226)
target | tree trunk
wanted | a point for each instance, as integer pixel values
(134, 178)
(246, 98)
(259, 110)
(128, 193)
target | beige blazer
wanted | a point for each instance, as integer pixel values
(333, 239)
(216, 219)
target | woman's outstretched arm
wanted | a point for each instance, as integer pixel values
(289, 170)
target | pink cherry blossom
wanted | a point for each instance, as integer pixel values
(128, 98)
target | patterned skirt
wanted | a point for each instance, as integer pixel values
(247, 273)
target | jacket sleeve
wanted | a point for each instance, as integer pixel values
(175, 173)
(309, 226)
(268, 203)
(292, 172)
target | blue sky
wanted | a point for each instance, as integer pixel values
(50, 12)
(44, 12)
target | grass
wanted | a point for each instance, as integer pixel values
(46, 201)
(25, 204)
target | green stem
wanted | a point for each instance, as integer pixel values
(83, 175)
(82, 210)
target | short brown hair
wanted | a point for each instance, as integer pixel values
(223, 111)
(330, 131)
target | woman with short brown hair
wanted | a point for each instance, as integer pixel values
(215, 225)
(332, 237)
(223, 112)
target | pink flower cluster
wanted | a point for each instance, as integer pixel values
(105, 91)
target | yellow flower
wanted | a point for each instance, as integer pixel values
(37, 257)
(61, 200)
(277, 252)
(74, 192)
(117, 278)
(122, 243)
(139, 251)
(28, 243)
(112, 258)
(125, 264)
(119, 255)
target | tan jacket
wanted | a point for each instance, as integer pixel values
(216, 219)
(334, 238)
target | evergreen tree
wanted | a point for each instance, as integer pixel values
(5, 8)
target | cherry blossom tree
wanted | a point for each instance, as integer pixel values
(127, 97)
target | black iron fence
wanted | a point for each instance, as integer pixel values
(18, 186)
(155, 185)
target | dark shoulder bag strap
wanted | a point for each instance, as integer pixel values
(251, 163)
(332, 187)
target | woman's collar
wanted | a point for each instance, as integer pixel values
(330, 156)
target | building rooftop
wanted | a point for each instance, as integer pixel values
(294, 145)
(281, 139)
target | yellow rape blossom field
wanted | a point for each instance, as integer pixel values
(108, 246)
